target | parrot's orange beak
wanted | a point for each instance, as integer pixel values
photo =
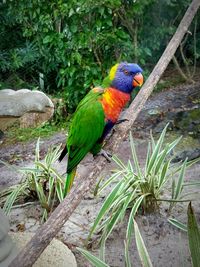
(138, 80)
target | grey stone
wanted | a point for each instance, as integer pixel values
(16, 103)
(189, 154)
(7, 247)
(55, 255)
(29, 108)
(154, 111)
(4, 225)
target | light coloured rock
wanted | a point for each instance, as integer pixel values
(16, 103)
(24, 107)
(33, 119)
(7, 247)
(4, 225)
(55, 255)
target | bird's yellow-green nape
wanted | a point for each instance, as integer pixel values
(113, 71)
(108, 79)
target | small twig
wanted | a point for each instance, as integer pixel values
(126, 23)
(191, 184)
(97, 57)
(179, 68)
(176, 200)
(79, 225)
(195, 47)
(185, 62)
(25, 204)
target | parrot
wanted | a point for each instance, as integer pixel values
(97, 113)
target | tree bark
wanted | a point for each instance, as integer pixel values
(61, 214)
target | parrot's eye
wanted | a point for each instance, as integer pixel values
(126, 72)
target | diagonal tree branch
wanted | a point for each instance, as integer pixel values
(62, 213)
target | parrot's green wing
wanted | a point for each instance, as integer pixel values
(86, 128)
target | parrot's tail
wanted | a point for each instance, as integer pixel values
(69, 181)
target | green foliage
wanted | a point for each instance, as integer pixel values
(178, 224)
(92, 259)
(135, 187)
(193, 236)
(45, 130)
(193, 232)
(73, 44)
(143, 254)
(41, 182)
(18, 57)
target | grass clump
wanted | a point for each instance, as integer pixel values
(41, 182)
(48, 129)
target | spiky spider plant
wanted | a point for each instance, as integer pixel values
(41, 182)
(191, 228)
(136, 187)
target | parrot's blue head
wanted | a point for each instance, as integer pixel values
(126, 76)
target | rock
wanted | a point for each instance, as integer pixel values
(160, 126)
(190, 154)
(4, 225)
(154, 111)
(34, 119)
(25, 107)
(189, 121)
(55, 255)
(16, 103)
(7, 247)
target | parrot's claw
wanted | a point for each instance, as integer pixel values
(120, 121)
(106, 155)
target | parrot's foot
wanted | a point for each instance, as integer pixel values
(120, 121)
(105, 154)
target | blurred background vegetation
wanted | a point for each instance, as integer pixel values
(65, 47)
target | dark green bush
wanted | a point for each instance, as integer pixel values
(65, 47)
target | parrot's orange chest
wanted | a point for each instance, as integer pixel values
(113, 101)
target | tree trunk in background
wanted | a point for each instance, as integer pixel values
(179, 68)
(61, 214)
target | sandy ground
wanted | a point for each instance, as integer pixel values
(166, 245)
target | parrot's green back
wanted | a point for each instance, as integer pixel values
(86, 128)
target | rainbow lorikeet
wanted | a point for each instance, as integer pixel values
(97, 113)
